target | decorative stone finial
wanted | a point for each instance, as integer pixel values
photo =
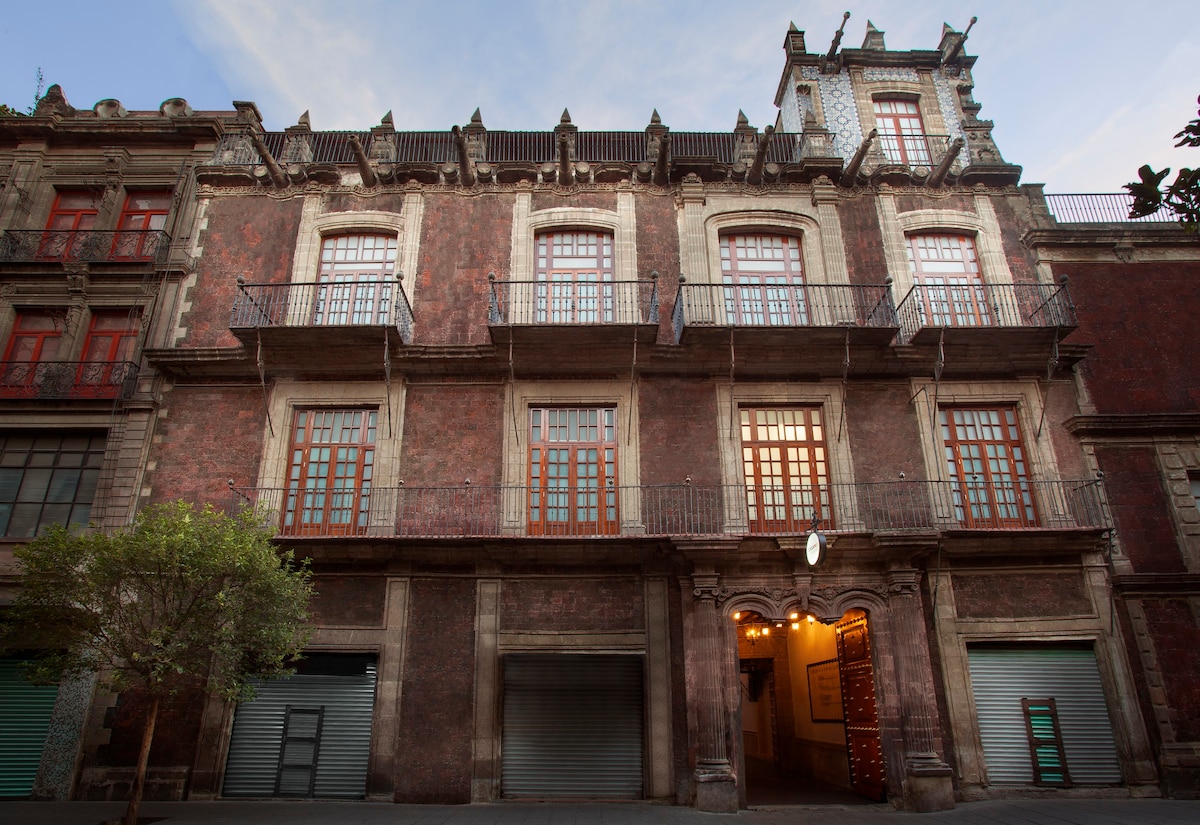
(175, 107)
(305, 121)
(387, 119)
(476, 118)
(655, 120)
(566, 118)
(742, 121)
(53, 102)
(109, 107)
(874, 39)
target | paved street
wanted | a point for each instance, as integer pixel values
(1020, 812)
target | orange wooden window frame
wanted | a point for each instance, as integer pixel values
(562, 500)
(766, 288)
(988, 466)
(785, 464)
(574, 274)
(330, 471)
(951, 288)
(902, 131)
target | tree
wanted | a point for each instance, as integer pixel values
(183, 595)
(1182, 197)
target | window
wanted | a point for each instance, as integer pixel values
(329, 479)
(31, 353)
(786, 469)
(573, 471)
(357, 285)
(763, 280)
(106, 352)
(901, 133)
(73, 212)
(47, 479)
(144, 213)
(986, 463)
(945, 271)
(574, 278)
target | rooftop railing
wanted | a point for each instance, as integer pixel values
(84, 245)
(572, 302)
(1111, 207)
(68, 379)
(783, 305)
(974, 304)
(675, 510)
(378, 302)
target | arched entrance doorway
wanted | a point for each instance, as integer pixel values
(809, 725)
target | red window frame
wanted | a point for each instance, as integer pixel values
(574, 275)
(988, 467)
(34, 341)
(143, 213)
(74, 211)
(764, 280)
(901, 132)
(573, 471)
(357, 283)
(945, 269)
(111, 338)
(330, 473)
(785, 464)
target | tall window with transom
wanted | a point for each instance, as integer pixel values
(945, 271)
(573, 471)
(764, 281)
(986, 463)
(574, 279)
(901, 133)
(357, 283)
(329, 480)
(786, 467)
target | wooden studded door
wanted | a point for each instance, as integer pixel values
(858, 702)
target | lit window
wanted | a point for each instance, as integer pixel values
(986, 462)
(574, 275)
(47, 479)
(945, 270)
(786, 468)
(901, 133)
(330, 474)
(764, 283)
(572, 471)
(357, 284)
(143, 214)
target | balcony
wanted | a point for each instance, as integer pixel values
(767, 323)
(1109, 207)
(548, 323)
(322, 325)
(68, 380)
(984, 326)
(482, 511)
(127, 246)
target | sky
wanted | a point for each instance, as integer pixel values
(1082, 92)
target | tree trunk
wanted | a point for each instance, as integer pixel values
(139, 779)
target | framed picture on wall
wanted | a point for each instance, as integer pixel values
(824, 691)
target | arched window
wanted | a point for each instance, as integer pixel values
(357, 282)
(764, 280)
(945, 270)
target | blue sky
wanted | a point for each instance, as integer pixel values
(1082, 93)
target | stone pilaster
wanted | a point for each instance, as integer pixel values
(716, 790)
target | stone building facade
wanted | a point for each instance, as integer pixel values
(644, 465)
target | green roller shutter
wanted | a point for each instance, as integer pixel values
(572, 726)
(25, 711)
(1002, 677)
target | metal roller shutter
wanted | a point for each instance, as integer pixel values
(326, 712)
(572, 726)
(1002, 677)
(25, 711)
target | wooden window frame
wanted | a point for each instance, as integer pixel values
(951, 294)
(990, 479)
(104, 373)
(328, 488)
(59, 240)
(799, 482)
(574, 294)
(902, 131)
(356, 284)
(589, 507)
(133, 240)
(758, 293)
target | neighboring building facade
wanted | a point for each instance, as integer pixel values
(564, 421)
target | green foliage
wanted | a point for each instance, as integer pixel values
(183, 594)
(8, 111)
(1181, 197)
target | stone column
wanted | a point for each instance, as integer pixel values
(927, 777)
(716, 790)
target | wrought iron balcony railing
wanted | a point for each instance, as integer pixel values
(676, 510)
(68, 379)
(85, 245)
(1109, 207)
(379, 302)
(783, 305)
(572, 302)
(916, 150)
(974, 304)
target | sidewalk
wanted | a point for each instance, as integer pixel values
(225, 812)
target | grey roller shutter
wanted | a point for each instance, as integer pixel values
(327, 713)
(572, 726)
(25, 711)
(1002, 677)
